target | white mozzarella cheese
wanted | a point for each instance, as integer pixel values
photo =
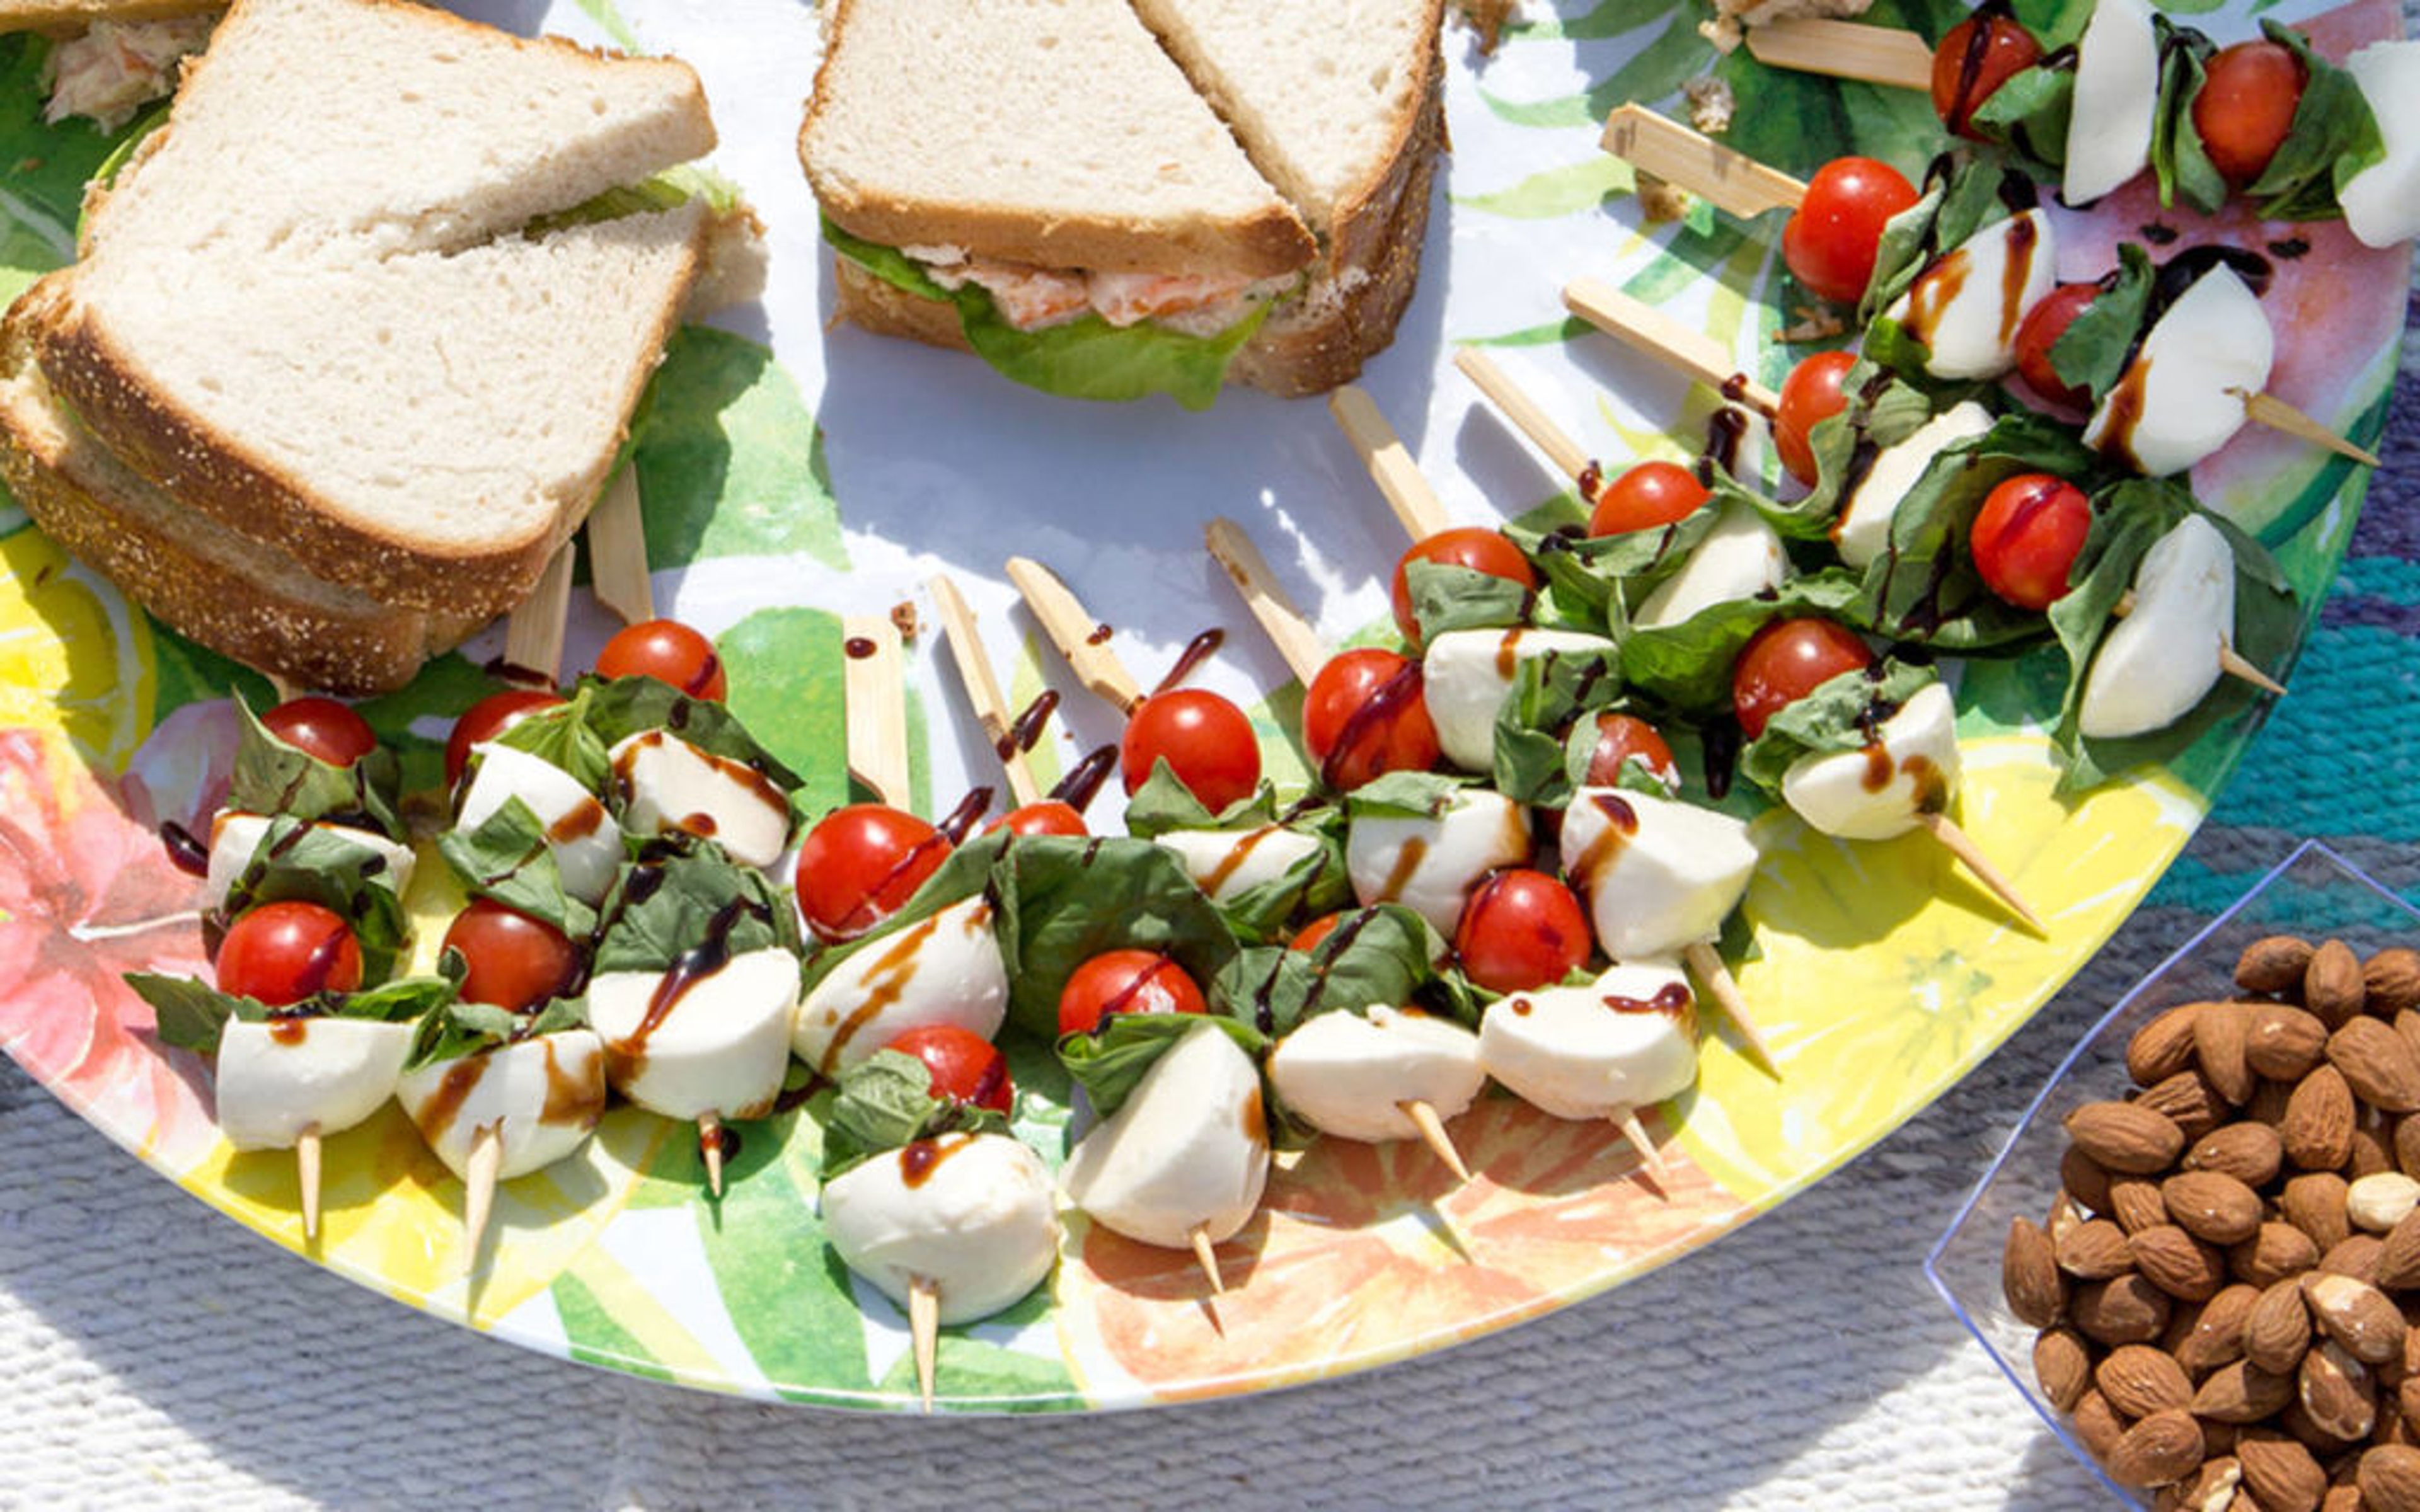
(1624, 1041)
(944, 969)
(2382, 203)
(1966, 306)
(970, 1213)
(280, 1080)
(1430, 865)
(544, 1095)
(1657, 874)
(1863, 527)
(1740, 558)
(1188, 1150)
(234, 835)
(1466, 675)
(1881, 791)
(1349, 1075)
(2116, 95)
(586, 844)
(1227, 862)
(2182, 397)
(720, 1046)
(665, 784)
(2164, 658)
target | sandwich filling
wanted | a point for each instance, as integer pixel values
(117, 68)
(1037, 299)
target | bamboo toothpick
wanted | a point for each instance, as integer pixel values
(710, 1146)
(1075, 633)
(284, 688)
(1635, 1133)
(983, 697)
(1725, 177)
(617, 551)
(1206, 1255)
(1415, 504)
(2276, 414)
(1885, 55)
(873, 686)
(485, 1162)
(1658, 335)
(925, 1332)
(1432, 1132)
(307, 1172)
(533, 633)
(1287, 630)
(2230, 660)
(1960, 844)
(1707, 964)
(1525, 412)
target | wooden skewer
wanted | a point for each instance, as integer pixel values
(1635, 1133)
(1072, 630)
(874, 696)
(2276, 414)
(1706, 964)
(1415, 504)
(617, 551)
(1433, 1132)
(1206, 1255)
(1525, 412)
(2230, 660)
(925, 1332)
(1885, 55)
(306, 1170)
(533, 633)
(1963, 847)
(479, 1189)
(982, 690)
(1658, 335)
(282, 687)
(1293, 635)
(709, 1145)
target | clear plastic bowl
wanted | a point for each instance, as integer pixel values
(2314, 893)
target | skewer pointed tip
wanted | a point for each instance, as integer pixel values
(479, 1176)
(307, 1172)
(2235, 664)
(1424, 1117)
(1649, 1156)
(1963, 846)
(1707, 964)
(709, 1145)
(2276, 414)
(925, 1333)
(1207, 1255)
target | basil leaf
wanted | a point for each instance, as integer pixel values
(886, 1103)
(1112, 1060)
(1554, 536)
(1883, 410)
(1540, 726)
(273, 778)
(2179, 159)
(681, 891)
(2091, 352)
(1373, 956)
(1945, 219)
(459, 1029)
(1687, 667)
(965, 874)
(626, 706)
(507, 858)
(2333, 136)
(1839, 716)
(192, 1014)
(2029, 115)
(1316, 884)
(560, 735)
(299, 861)
(1164, 803)
(1404, 796)
(1063, 900)
(406, 998)
(1448, 596)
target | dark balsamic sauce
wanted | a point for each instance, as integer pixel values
(185, 853)
(858, 647)
(1196, 652)
(1082, 783)
(1025, 731)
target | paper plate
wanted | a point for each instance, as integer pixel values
(792, 475)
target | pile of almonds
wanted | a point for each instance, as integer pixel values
(2227, 1284)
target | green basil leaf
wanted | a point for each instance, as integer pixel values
(2333, 136)
(1404, 796)
(966, 872)
(1946, 218)
(1540, 724)
(1883, 409)
(626, 706)
(507, 858)
(1839, 716)
(1063, 900)
(561, 736)
(189, 1013)
(2091, 352)
(2029, 115)
(273, 778)
(406, 998)
(1164, 803)
(887, 1103)
(1380, 955)
(1109, 1062)
(2179, 160)
(299, 861)
(1448, 596)
(681, 891)
(458, 1028)
(1687, 667)
(1317, 883)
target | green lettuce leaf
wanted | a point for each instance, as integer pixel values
(273, 778)
(1839, 716)
(886, 1103)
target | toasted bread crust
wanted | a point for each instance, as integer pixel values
(1366, 218)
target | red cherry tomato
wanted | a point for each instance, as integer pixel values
(1787, 660)
(2247, 106)
(487, 719)
(965, 1066)
(1831, 238)
(1365, 717)
(1809, 395)
(1311, 935)
(1521, 929)
(281, 953)
(1645, 497)
(516, 962)
(860, 864)
(1047, 817)
(323, 727)
(2026, 536)
(1204, 738)
(2039, 331)
(1125, 981)
(1465, 546)
(667, 651)
(1620, 737)
(1967, 69)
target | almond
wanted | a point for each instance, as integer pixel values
(2241, 1392)
(2399, 1264)
(2188, 1100)
(2357, 1256)
(2098, 1426)
(2373, 1147)
(2085, 1178)
(2063, 1219)
(2332, 984)
(2219, 1031)
(2407, 1399)
(2277, 1332)
(2357, 1315)
(2137, 1204)
(2282, 1473)
(2342, 1499)
(2318, 1131)
(2277, 1252)
(2407, 1144)
(2406, 1024)
(2316, 1203)
(2062, 1366)
(2162, 1447)
(2378, 1064)
(2163, 1047)
(2217, 1333)
(2276, 965)
(2381, 1200)
(2126, 1309)
(2335, 1391)
(2212, 1206)
(2139, 1381)
(2095, 1251)
(2030, 1275)
(2389, 981)
(2178, 1263)
(2390, 1479)
(2130, 1136)
(2283, 1042)
(2209, 1488)
(2267, 1104)
(2248, 1151)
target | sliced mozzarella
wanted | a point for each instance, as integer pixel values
(586, 845)
(1863, 530)
(718, 1046)
(945, 969)
(1430, 865)
(2182, 397)
(1740, 558)
(2161, 659)
(970, 1213)
(234, 835)
(1657, 874)
(1626, 1039)
(544, 1095)
(665, 784)
(1188, 1150)
(1967, 305)
(1466, 675)
(2382, 203)
(1225, 862)
(287, 1077)
(1874, 794)
(1349, 1075)
(2116, 95)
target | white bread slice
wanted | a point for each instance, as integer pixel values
(1054, 133)
(403, 126)
(254, 603)
(425, 428)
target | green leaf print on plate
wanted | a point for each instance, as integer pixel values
(1554, 192)
(730, 461)
(787, 669)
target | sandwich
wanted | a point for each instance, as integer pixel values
(329, 407)
(108, 58)
(1105, 199)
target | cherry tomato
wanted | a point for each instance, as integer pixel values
(1832, 236)
(2247, 106)
(1787, 660)
(1645, 497)
(323, 727)
(1365, 715)
(281, 953)
(487, 719)
(667, 651)
(1809, 395)
(1125, 981)
(1620, 737)
(2026, 536)
(516, 962)
(1202, 737)
(860, 864)
(1047, 817)
(2004, 48)
(1521, 929)
(1311, 935)
(966, 1067)
(2039, 331)
(1465, 545)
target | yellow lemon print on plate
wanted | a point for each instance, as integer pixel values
(74, 657)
